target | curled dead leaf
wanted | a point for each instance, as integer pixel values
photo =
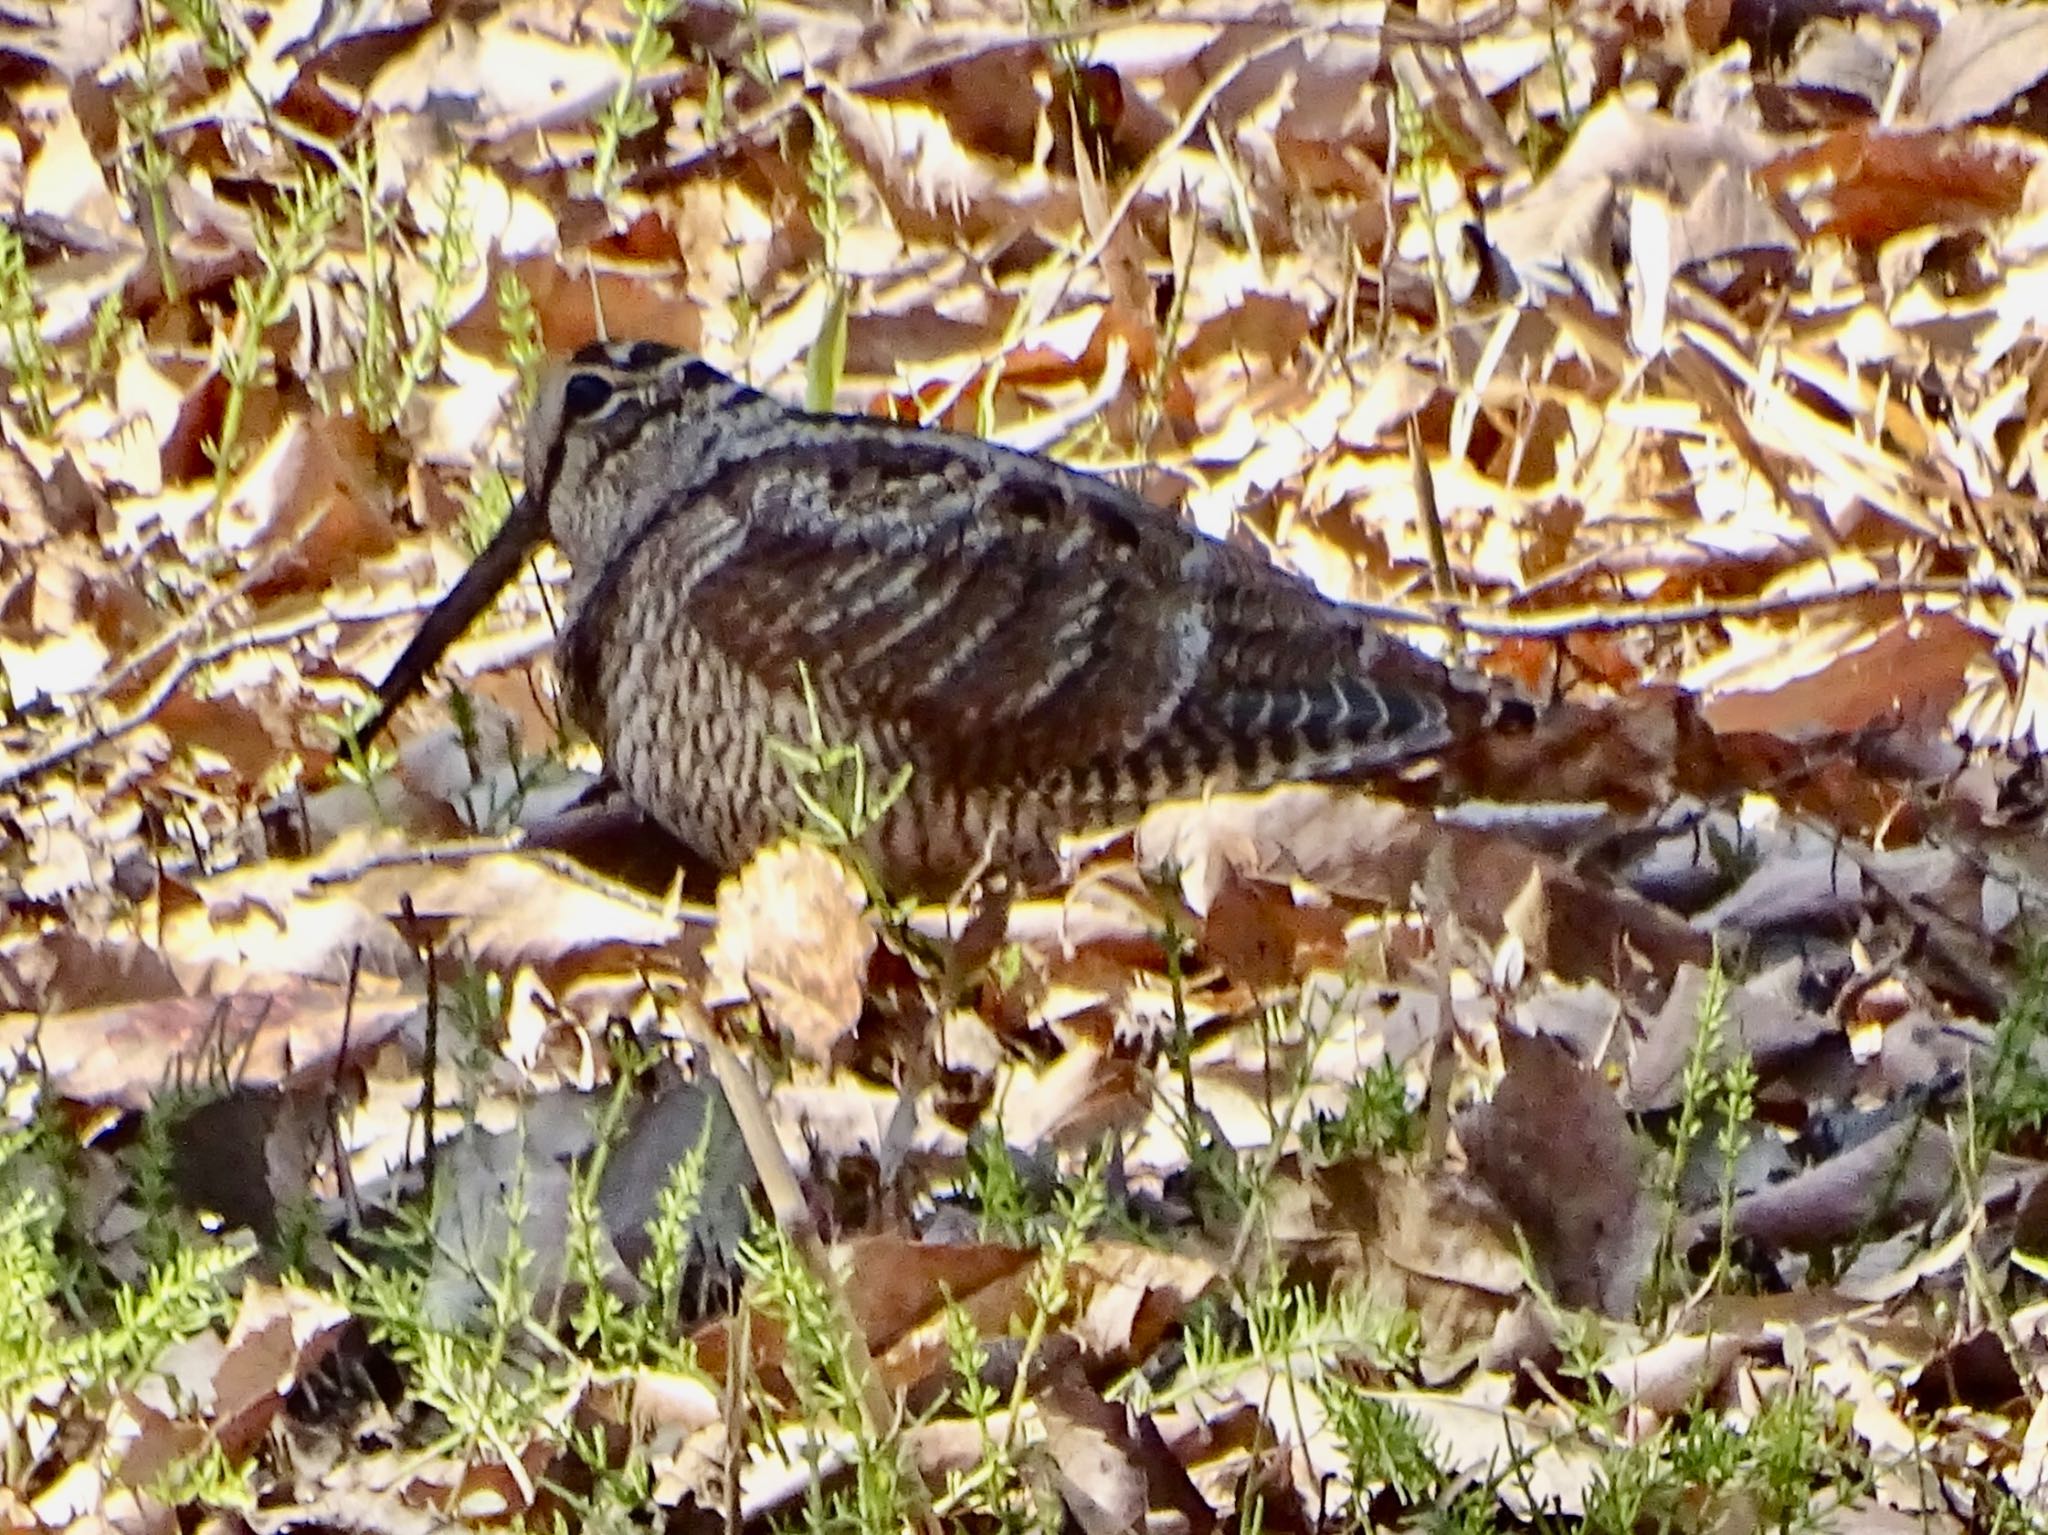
(794, 934)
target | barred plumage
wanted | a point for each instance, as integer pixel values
(1044, 651)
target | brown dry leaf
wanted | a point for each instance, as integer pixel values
(73, 37)
(317, 916)
(901, 1285)
(1564, 226)
(407, 1491)
(63, 972)
(1979, 59)
(1356, 1024)
(469, 414)
(292, 476)
(1868, 184)
(937, 186)
(285, 1035)
(1088, 1456)
(1669, 1378)
(2003, 700)
(1839, 61)
(1264, 938)
(1556, 1150)
(1131, 1296)
(1079, 1096)
(500, 75)
(1787, 472)
(1766, 1018)
(898, 1290)
(1340, 840)
(281, 1335)
(216, 729)
(1422, 1241)
(1901, 1174)
(1350, 844)
(120, 444)
(66, 181)
(850, 1116)
(1837, 676)
(794, 933)
(151, 1429)
(50, 647)
(1126, 1300)
(1111, 1465)
(681, 1420)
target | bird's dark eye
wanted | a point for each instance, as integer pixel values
(644, 355)
(584, 395)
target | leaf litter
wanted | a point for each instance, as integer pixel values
(1352, 1159)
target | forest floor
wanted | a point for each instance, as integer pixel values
(1658, 1148)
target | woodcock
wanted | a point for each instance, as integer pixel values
(1044, 651)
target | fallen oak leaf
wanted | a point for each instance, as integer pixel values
(794, 933)
(1554, 1147)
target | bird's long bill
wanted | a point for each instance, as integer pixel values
(524, 530)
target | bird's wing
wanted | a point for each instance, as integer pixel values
(1007, 618)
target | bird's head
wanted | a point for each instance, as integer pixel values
(607, 416)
